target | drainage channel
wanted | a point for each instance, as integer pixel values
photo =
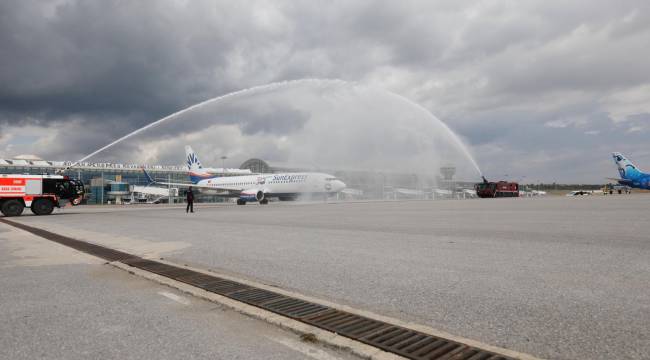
(391, 338)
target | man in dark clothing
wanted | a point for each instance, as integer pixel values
(190, 200)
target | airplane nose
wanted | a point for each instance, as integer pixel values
(340, 185)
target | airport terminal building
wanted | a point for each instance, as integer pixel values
(105, 182)
(110, 183)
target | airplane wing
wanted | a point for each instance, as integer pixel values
(226, 192)
(622, 181)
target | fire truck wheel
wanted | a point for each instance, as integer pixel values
(42, 207)
(12, 207)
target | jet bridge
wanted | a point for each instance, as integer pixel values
(151, 194)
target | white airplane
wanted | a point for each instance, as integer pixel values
(256, 187)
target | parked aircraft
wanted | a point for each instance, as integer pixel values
(630, 175)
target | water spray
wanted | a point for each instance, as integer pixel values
(253, 89)
(270, 87)
(454, 137)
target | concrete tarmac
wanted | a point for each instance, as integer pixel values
(56, 303)
(560, 278)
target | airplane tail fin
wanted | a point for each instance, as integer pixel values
(150, 180)
(194, 167)
(625, 166)
(193, 163)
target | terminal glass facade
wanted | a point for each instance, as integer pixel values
(101, 180)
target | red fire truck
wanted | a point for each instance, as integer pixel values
(41, 193)
(497, 189)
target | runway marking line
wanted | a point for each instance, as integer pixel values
(174, 297)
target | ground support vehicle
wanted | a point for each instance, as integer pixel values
(40, 193)
(497, 189)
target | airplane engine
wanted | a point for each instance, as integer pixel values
(260, 195)
(252, 195)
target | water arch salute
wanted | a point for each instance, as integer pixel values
(337, 209)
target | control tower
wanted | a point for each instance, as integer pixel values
(447, 172)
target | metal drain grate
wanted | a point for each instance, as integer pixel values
(96, 250)
(199, 279)
(224, 287)
(398, 340)
(294, 308)
(166, 270)
(345, 324)
(395, 339)
(416, 345)
(256, 296)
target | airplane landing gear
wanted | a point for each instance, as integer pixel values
(241, 202)
(264, 202)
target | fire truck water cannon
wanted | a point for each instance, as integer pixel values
(40, 193)
(488, 189)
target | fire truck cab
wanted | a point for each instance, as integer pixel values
(41, 193)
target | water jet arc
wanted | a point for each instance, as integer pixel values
(270, 87)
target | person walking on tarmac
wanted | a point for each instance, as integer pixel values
(190, 200)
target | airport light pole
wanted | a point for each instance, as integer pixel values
(223, 162)
(169, 189)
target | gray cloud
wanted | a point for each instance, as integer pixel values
(497, 72)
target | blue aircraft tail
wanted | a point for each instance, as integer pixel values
(150, 180)
(627, 170)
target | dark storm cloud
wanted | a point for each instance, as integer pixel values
(102, 57)
(278, 121)
(498, 72)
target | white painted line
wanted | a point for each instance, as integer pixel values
(174, 297)
(303, 348)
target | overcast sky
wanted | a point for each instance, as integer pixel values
(542, 89)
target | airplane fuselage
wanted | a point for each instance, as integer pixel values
(285, 185)
(259, 187)
(639, 182)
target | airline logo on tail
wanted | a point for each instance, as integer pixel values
(193, 162)
(630, 174)
(625, 167)
(194, 167)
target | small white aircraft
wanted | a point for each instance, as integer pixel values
(256, 187)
